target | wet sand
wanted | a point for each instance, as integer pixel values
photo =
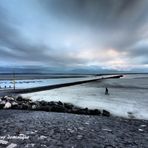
(48, 129)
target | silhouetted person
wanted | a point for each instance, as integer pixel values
(106, 91)
(5, 86)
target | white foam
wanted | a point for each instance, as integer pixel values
(126, 95)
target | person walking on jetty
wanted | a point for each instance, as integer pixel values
(106, 91)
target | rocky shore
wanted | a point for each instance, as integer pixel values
(40, 129)
(40, 124)
(20, 103)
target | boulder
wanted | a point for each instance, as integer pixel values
(16, 106)
(73, 110)
(43, 108)
(7, 105)
(105, 113)
(19, 98)
(52, 103)
(9, 98)
(34, 107)
(3, 99)
(27, 100)
(60, 103)
(76, 110)
(58, 108)
(2, 106)
(68, 105)
(94, 112)
(87, 112)
(3, 102)
(43, 103)
(14, 103)
(25, 106)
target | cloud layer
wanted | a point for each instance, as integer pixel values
(108, 34)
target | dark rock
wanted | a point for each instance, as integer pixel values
(94, 112)
(80, 111)
(86, 111)
(52, 103)
(43, 103)
(60, 103)
(3, 99)
(43, 108)
(25, 106)
(16, 106)
(68, 105)
(35, 105)
(73, 110)
(9, 98)
(19, 98)
(58, 108)
(27, 100)
(2, 106)
(105, 113)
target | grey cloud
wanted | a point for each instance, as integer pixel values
(106, 23)
(107, 13)
(117, 21)
(15, 47)
(139, 52)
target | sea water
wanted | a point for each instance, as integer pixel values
(127, 96)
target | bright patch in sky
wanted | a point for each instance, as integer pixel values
(74, 34)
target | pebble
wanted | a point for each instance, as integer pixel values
(79, 137)
(57, 130)
(12, 145)
(141, 130)
(30, 145)
(108, 130)
(87, 123)
(70, 130)
(81, 128)
(43, 145)
(142, 125)
(3, 142)
(42, 137)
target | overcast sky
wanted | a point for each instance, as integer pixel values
(108, 34)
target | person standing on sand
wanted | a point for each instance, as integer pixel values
(106, 91)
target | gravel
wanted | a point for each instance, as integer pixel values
(39, 129)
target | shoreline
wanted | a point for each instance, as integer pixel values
(55, 86)
(29, 126)
(21, 103)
